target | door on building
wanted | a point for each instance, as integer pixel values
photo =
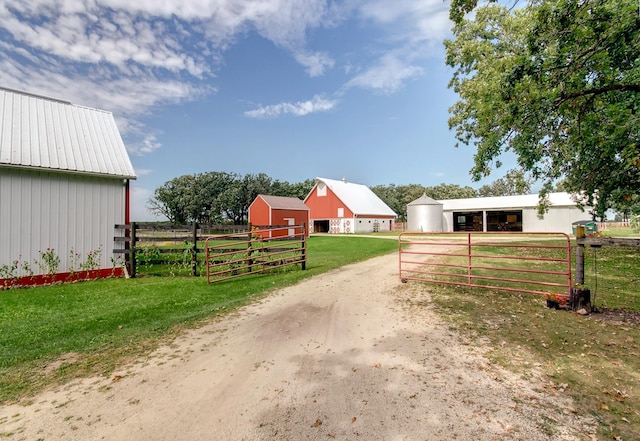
(504, 220)
(291, 221)
(467, 221)
(320, 226)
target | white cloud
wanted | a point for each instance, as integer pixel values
(412, 20)
(316, 63)
(413, 30)
(126, 97)
(123, 31)
(300, 108)
(386, 77)
(98, 35)
(147, 145)
(130, 57)
(143, 171)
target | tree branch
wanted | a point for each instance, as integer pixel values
(599, 91)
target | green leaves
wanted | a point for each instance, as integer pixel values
(217, 197)
(557, 83)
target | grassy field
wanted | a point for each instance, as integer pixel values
(595, 359)
(95, 326)
(619, 232)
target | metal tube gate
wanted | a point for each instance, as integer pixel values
(536, 263)
(229, 256)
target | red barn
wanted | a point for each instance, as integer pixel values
(279, 210)
(345, 207)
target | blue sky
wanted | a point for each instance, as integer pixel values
(294, 89)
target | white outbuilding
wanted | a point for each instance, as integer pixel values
(64, 185)
(511, 213)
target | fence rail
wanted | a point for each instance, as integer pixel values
(523, 262)
(229, 256)
(131, 241)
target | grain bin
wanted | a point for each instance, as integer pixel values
(424, 215)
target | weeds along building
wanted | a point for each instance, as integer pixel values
(64, 185)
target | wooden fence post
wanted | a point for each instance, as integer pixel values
(194, 250)
(132, 251)
(304, 247)
(580, 235)
(250, 249)
(580, 264)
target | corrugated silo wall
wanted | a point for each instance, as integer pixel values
(424, 218)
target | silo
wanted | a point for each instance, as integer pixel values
(424, 215)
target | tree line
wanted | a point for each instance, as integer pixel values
(221, 197)
(218, 197)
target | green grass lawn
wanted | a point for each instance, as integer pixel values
(619, 232)
(103, 322)
(595, 360)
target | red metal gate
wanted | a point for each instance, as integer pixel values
(229, 256)
(538, 263)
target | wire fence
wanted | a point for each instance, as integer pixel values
(613, 275)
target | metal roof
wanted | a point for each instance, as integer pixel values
(425, 200)
(357, 197)
(37, 132)
(503, 202)
(283, 202)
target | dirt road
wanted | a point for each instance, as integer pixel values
(346, 355)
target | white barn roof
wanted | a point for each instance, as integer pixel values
(44, 133)
(504, 202)
(357, 197)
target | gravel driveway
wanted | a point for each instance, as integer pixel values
(350, 354)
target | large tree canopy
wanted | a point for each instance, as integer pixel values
(218, 197)
(515, 182)
(558, 83)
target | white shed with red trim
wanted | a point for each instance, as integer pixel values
(64, 185)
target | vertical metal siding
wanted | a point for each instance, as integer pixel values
(40, 210)
(5, 126)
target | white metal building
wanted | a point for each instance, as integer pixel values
(64, 181)
(511, 213)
